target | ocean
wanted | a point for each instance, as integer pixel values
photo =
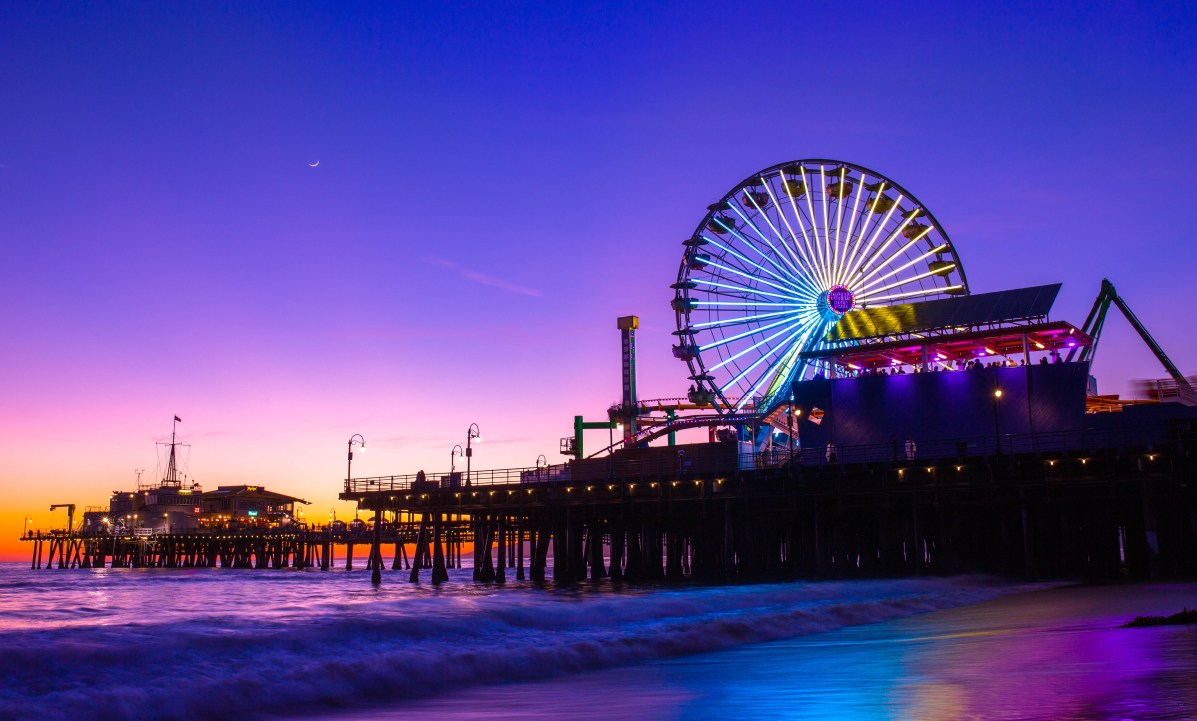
(210, 644)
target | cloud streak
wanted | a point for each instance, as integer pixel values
(484, 278)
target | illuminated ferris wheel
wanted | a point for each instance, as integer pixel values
(782, 257)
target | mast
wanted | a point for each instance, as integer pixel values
(172, 469)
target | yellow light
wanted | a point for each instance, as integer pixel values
(1039, 345)
(990, 351)
(997, 392)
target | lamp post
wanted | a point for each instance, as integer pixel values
(541, 462)
(997, 431)
(357, 439)
(454, 454)
(472, 434)
(25, 525)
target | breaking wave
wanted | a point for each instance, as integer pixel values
(209, 645)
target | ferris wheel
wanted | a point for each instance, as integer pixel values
(782, 257)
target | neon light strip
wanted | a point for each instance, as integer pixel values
(901, 282)
(917, 292)
(851, 226)
(900, 251)
(751, 244)
(809, 252)
(803, 321)
(768, 371)
(809, 265)
(866, 261)
(796, 288)
(895, 271)
(757, 278)
(743, 319)
(750, 291)
(787, 367)
(770, 222)
(745, 334)
(766, 240)
(864, 256)
(750, 304)
(826, 224)
(839, 223)
(758, 361)
(814, 229)
(849, 266)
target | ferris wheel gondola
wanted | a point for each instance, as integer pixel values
(782, 257)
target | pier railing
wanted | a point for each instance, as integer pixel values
(899, 450)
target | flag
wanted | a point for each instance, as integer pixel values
(178, 420)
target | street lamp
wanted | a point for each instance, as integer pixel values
(472, 434)
(355, 439)
(541, 462)
(25, 526)
(454, 454)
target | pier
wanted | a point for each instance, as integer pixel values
(1100, 510)
(1082, 505)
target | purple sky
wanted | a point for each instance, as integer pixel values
(497, 183)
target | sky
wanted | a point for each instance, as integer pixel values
(497, 182)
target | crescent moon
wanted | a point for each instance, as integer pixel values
(312, 165)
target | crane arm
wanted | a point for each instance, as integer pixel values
(1096, 320)
(1155, 347)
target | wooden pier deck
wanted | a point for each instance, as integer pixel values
(1081, 507)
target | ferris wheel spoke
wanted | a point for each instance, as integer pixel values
(916, 293)
(898, 253)
(788, 367)
(750, 291)
(839, 222)
(739, 354)
(777, 232)
(852, 217)
(809, 252)
(866, 258)
(822, 261)
(753, 245)
(891, 286)
(762, 237)
(800, 289)
(742, 319)
(878, 223)
(781, 214)
(745, 334)
(756, 278)
(899, 269)
(764, 357)
(769, 371)
(745, 304)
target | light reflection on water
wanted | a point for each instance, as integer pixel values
(1051, 655)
